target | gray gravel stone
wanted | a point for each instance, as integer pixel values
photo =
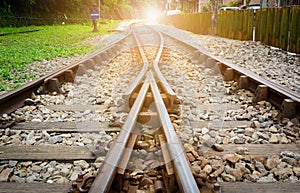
(82, 163)
(12, 163)
(6, 174)
(266, 179)
(17, 179)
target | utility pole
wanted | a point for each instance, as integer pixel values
(95, 15)
(99, 8)
(215, 4)
(168, 4)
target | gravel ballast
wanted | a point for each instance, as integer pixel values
(194, 88)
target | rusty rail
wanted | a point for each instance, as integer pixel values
(184, 174)
(139, 77)
(10, 101)
(281, 97)
(108, 170)
(164, 84)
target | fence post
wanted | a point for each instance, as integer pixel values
(269, 26)
(209, 22)
(251, 24)
(263, 23)
(284, 28)
(295, 30)
(239, 25)
(276, 27)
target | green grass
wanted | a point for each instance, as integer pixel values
(9, 30)
(18, 50)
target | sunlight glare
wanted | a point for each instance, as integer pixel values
(152, 13)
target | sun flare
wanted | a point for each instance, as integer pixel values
(152, 13)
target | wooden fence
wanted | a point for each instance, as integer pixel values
(278, 27)
(235, 24)
(274, 25)
(199, 23)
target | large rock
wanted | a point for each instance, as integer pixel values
(238, 172)
(255, 124)
(26, 164)
(290, 161)
(283, 173)
(272, 162)
(216, 163)
(273, 139)
(228, 177)
(266, 179)
(260, 167)
(196, 169)
(36, 168)
(82, 163)
(218, 147)
(6, 174)
(190, 149)
(218, 171)
(242, 150)
(207, 169)
(232, 158)
(296, 170)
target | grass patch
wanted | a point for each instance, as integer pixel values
(11, 30)
(18, 50)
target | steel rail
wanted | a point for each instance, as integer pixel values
(276, 93)
(74, 66)
(288, 92)
(12, 100)
(139, 77)
(184, 175)
(129, 32)
(165, 85)
(108, 169)
(112, 47)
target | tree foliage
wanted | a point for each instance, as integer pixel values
(39, 8)
(234, 3)
(58, 8)
(68, 10)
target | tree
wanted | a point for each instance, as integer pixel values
(248, 2)
(215, 7)
(234, 3)
(74, 9)
(46, 8)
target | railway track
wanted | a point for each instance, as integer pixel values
(161, 176)
(159, 113)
